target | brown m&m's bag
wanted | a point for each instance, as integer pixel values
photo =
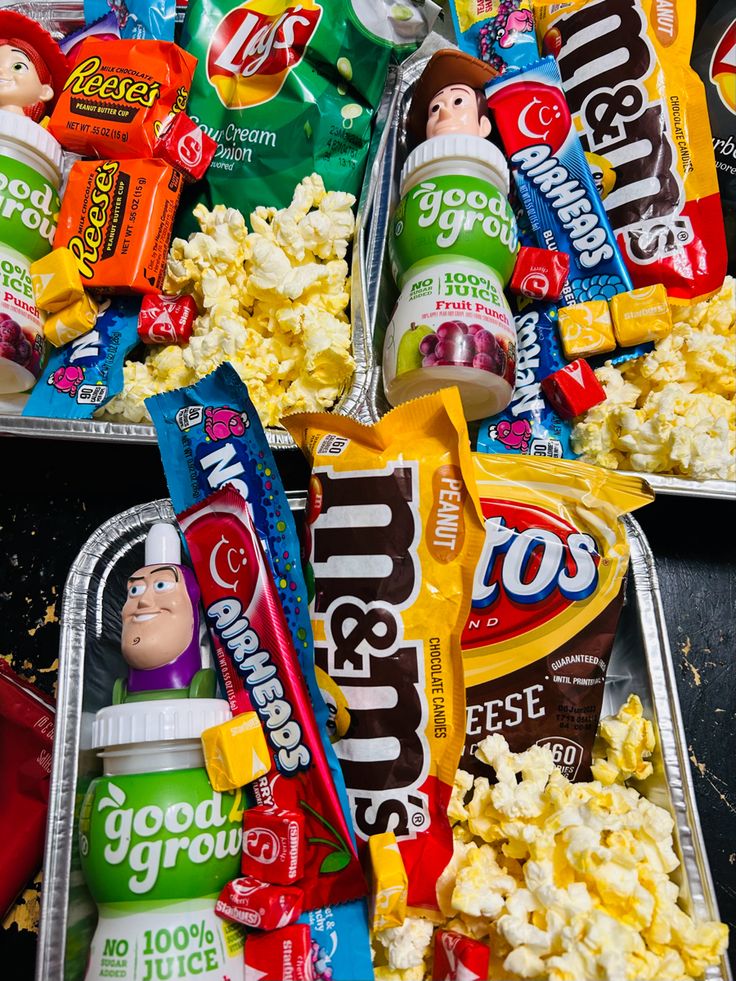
(393, 529)
(116, 98)
(547, 596)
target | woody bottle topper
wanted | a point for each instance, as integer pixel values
(33, 69)
(160, 635)
(449, 98)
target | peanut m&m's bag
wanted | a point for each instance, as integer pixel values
(392, 530)
(547, 594)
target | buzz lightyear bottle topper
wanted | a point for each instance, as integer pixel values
(452, 246)
(160, 634)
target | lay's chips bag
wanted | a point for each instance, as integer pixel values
(643, 120)
(288, 88)
(392, 533)
(547, 595)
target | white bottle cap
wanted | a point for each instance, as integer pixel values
(474, 152)
(158, 720)
(163, 545)
(23, 130)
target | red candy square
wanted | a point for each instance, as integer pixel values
(573, 389)
(458, 958)
(185, 146)
(273, 844)
(285, 953)
(258, 904)
(166, 319)
(540, 273)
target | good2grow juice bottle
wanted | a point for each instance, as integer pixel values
(452, 246)
(30, 175)
(157, 844)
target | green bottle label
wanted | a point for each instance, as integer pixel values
(29, 209)
(453, 215)
(159, 837)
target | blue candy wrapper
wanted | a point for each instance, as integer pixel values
(337, 951)
(137, 18)
(210, 435)
(529, 425)
(85, 374)
(554, 180)
(499, 32)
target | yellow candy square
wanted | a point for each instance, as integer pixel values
(641, 315)
(390, 882)
(71, 322)
(56, 281)
(235, 752)
(586, 329)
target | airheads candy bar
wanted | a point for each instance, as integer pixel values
(554, 180)
(117, 96)
(116, 219)
(529, 425)
(499, 32)
(391, 525)
(547, 594)
(261, 673)
(84, 375)
(641, 109)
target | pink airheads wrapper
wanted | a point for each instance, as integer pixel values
(261, 673)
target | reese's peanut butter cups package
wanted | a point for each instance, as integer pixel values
(643, 121)
(115, 100)
(547, 595)
(116, 219)
(392, 531)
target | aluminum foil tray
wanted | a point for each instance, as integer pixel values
(90, 661)
(381, 292)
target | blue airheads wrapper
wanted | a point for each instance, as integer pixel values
(85, 374)
(499, 32)
(210, 435)
(529, 425)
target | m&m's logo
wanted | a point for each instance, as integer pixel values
(255, 46)
(534, 565)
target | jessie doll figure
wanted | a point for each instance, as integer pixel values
(33, 69)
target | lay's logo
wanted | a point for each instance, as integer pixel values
(533, 566)
(723, 67)
(255, 46)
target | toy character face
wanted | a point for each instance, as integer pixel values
(454, 109)
(158, 618)
(20, 85)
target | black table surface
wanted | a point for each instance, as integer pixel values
(55, 494)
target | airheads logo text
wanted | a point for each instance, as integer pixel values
(255, 46)
(532, 567)
(723, 67)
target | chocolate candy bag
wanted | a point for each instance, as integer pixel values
(642, 115)
(287, 89)
(713, 59)
(547, 595)
(392, 526)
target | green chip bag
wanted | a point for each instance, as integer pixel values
(287, 89)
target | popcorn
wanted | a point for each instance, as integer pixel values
(577, 881)
(674, 409)
(271, 301)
